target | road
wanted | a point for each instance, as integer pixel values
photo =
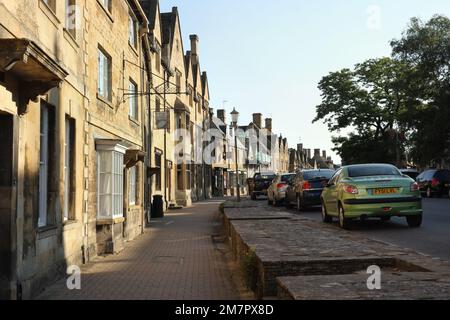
(433, 238)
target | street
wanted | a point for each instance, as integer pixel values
(432, 238)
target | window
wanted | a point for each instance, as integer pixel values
(158, 105)
(188, 176)
(158, 164)
(372, 170)
(110, 184)
(51, 4)
(158, 59)
(179, 123)
(47, 149)
(132, 36)
(71, 17)
(133, 91)
(180, 181)
(104, 75)
(191, 97)
(178, 82)
(69, 152)
(106, 4)
(132, 195)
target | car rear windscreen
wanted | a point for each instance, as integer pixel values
(369, 171)
(320, 174)
(286, 178)
(264, 177)
(443, 175)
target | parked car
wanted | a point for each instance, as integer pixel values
(371, 191)
(261, 182)
(412, 173)
(434, 182)
(277, 190)
(306, 188)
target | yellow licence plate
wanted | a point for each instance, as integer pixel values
(384, 191)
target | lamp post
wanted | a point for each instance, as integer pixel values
(234, 119)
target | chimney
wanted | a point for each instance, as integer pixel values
(269, 124)
(308, 154)
(221, 115)
(316, 153)
(324, 154)
(257, 119)
(194, 46)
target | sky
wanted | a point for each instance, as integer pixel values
(269, 56)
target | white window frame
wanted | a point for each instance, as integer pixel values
(134, 107)
(104, 75)
(132, 194)
(43, 167)
(113, 152)
(133, 30)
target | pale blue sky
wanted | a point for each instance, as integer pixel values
(268, 56)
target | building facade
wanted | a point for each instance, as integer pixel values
(73, 122)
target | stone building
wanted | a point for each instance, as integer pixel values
(73, 125)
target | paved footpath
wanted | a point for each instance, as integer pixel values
(175, 260)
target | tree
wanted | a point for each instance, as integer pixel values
(368, 100)
(425, 49)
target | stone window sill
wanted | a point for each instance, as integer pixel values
(106, 11)
(104, 100)
(49, 13)
(71, 39)
(103, 222)
(46, 232)
(134, 121)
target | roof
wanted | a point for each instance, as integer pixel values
(150, 7)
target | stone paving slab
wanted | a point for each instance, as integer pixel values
(299, 246)
(395, 286)
(176, 259)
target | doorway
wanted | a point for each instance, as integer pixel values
(6, 192)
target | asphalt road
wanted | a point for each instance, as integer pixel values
(433, 238)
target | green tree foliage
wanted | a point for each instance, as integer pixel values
(368, 100)
(396, 104)
(425, 49)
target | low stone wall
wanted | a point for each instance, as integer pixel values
(395, 286)
(279, 244)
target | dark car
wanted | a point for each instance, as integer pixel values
(306, 188)
(412, 173)
(261, 182)
(434, 182)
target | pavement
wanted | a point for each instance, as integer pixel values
(176, 259)
(433, 238)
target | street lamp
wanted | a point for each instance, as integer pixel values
(235, 119)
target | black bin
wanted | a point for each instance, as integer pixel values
(158, 207)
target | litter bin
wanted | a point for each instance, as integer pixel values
(158, 207)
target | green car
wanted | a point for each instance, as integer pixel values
(371, 191)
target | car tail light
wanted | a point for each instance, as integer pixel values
(435, 182)
(306, 185)
(351, 189)
(281, 185)
(414, 186)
